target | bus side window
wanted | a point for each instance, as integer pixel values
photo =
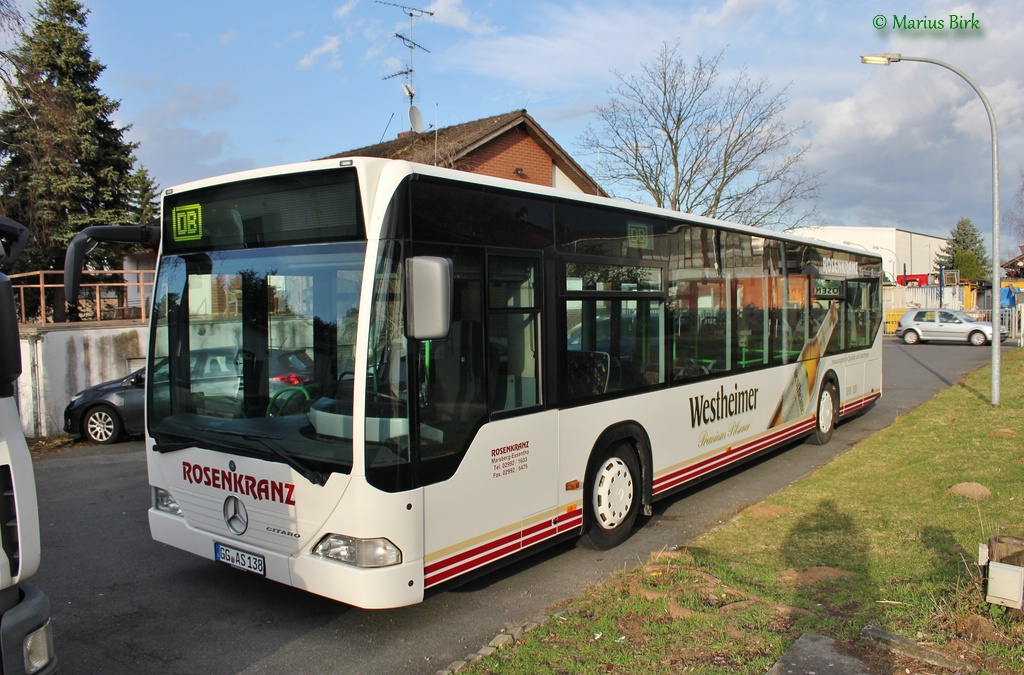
(513, 309)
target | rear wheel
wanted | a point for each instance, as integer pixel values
(828, 414)
(910, 337)
(102, 425)
(978, 338)
(613, 498)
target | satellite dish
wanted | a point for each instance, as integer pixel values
(415, 119)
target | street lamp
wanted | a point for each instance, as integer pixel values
(853, 243)
(895, 261)
(886, 59)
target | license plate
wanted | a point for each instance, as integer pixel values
(243, 560)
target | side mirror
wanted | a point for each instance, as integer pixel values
(16, 235)
(10, 347)
(87, 239)
(428, 295)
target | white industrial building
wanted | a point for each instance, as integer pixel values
(903, 252)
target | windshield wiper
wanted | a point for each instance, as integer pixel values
(312, 475)
(174, 447)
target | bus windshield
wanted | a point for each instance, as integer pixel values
(245, 342)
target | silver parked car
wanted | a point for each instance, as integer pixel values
(945, 325)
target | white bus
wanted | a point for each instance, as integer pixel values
(368, 378)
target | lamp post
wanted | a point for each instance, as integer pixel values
(895, 261)
(885, 60)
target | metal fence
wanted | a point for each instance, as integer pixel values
(106, 295)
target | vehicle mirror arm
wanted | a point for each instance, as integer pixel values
(87, 239)
(17, 236)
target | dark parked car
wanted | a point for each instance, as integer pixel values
(106, 412)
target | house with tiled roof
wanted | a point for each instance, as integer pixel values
(511, 146)
(1014, 268)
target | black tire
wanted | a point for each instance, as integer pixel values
(102, 425)
(977, 338)
(612, 498)
(827, 414)
(911, 337)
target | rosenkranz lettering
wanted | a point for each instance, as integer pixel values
(721, 405)
(259, 489)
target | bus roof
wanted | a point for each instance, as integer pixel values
(371, 168)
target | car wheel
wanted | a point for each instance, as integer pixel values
(910, 337)
(613, 498)
(978, 338)
(102, 425)
(828, 414)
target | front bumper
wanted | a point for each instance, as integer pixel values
(379, 588)
(17, 623)
(72, 420)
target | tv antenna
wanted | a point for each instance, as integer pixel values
(415, 118)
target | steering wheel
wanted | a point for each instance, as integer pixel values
(283, 398)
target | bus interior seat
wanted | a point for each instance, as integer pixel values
(497, 373)
(457, 388)
(587, 373)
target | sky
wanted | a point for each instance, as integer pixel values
(213, 87)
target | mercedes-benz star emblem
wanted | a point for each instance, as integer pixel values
(235, 515)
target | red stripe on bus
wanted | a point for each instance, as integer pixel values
(478, 556)
(862, 402)
(734, 454)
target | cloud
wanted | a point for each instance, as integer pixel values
(328, 50)
(451, 13)
(346, 9)
(196, 101)
(573, 46)
(228, 37)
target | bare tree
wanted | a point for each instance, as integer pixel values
(673, 132)
(10, 22)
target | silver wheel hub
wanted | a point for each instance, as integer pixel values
(101, 426)
(613, 493)
(826, 411)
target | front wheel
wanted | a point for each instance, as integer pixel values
(828, 414)
(102, 425)
(613, 498)
(978, 338)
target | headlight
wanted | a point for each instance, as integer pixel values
(164, 501)
(378, 552)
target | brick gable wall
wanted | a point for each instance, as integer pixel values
(512, 150)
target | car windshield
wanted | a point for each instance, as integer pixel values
(246, 341)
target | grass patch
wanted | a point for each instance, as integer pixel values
(57, 444)
(875, 537)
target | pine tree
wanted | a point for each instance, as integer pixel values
(64, 165)
(965, 251)
(143, 198)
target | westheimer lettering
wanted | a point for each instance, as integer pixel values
(722, 405)
(260, 489)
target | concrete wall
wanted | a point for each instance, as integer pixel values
(58, 362)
